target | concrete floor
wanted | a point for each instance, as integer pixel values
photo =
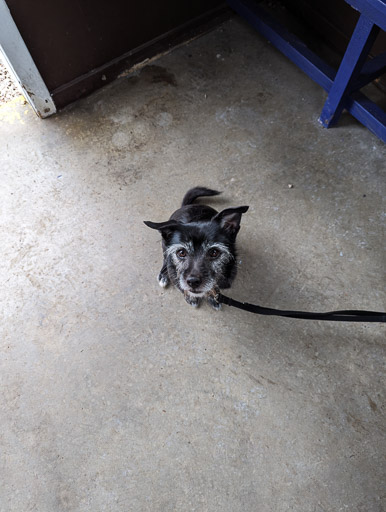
(118, 396)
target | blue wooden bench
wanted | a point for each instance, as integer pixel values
(354, 72)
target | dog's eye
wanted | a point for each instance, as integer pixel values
(214, 253)
(181, 253)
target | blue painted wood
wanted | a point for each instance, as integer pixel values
(375, 10)
(368, 113)
(358, 48)
(359, 106)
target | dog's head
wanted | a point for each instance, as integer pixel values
(201, 255)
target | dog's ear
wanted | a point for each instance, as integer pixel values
(166, 228)
(169, 224)
(230, 219)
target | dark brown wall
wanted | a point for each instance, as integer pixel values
(68, 39)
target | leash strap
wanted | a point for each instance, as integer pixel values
(332, 316)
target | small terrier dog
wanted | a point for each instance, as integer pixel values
(199, 248)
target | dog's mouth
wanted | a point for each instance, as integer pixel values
(196, 293)
(200, 288)
(199, 291)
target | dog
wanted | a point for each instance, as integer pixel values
(199, 248)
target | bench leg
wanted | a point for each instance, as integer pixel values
(358, 48)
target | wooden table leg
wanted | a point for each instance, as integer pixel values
(357, 50)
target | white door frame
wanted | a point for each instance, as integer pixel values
(17, 59)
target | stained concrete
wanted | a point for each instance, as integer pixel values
(118, 396)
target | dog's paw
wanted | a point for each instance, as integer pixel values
(213, 302)
(163, 280)
(192, 301)
(212, 298)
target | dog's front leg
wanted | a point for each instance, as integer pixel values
(192, 301)
(212, 298)
(163, 277)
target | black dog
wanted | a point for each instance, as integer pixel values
(199, 248)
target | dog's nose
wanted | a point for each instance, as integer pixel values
(193, 281)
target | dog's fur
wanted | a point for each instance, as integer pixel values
(199, 248)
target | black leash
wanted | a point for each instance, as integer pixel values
(332, 316)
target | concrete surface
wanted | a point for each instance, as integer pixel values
(118, 396)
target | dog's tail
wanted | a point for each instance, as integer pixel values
(192, 194)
